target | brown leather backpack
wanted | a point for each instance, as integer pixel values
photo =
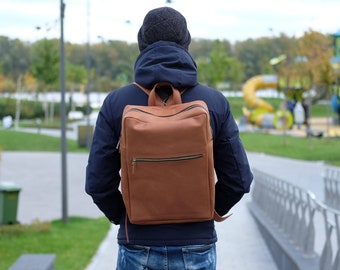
(167, 160)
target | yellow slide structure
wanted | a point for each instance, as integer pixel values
(262, 113)
(254, 84)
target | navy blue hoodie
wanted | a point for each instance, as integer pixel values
(165, 62)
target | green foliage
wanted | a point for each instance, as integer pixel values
(8, 85)
(219, 67)
(29, 109)
(75, 73)
(45, 61)
(235, 73)
(32, 109)
(255, 54)
(74, 243)
(218, 64)
(14, 57)
(6, 107)
(112, 62)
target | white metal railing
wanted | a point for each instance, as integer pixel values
(311, 226)
(332, 187)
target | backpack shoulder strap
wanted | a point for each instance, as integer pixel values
(218, 218)
(146, 91)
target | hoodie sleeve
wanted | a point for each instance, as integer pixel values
(102, 172)
(232, 168)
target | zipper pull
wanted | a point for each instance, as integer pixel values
(134, 164)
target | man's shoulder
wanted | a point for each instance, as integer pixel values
(208, 94)
(121, 90)
(122, 93)
(128, 94)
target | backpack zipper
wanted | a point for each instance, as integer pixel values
(180, 158)
(185, 109)
(140, 110)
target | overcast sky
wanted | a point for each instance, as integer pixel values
(85, 20)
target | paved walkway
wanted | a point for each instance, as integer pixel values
(240, 245)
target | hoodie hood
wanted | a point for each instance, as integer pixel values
(165, 61)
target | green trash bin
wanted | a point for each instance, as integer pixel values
(9, 197)
(82, 135)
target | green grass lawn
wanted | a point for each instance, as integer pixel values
(325, 149)
(312, 149)
(11, 140)
(74, 243)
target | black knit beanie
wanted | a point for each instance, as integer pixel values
(165, 24)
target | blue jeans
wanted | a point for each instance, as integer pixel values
(195, 257)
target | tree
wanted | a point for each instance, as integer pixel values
(14, 57)
(308, 66)
(75, 73)
(316, 48)
(249, 54)
(29, 83)
(219, 67)
(75, 76)
(7, 84)
(255, 54)
(45, 62)
(45, 68)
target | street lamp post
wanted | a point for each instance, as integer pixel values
(98, 71)
(88, 85)
(63, 117)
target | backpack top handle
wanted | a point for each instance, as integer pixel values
(162, 94)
